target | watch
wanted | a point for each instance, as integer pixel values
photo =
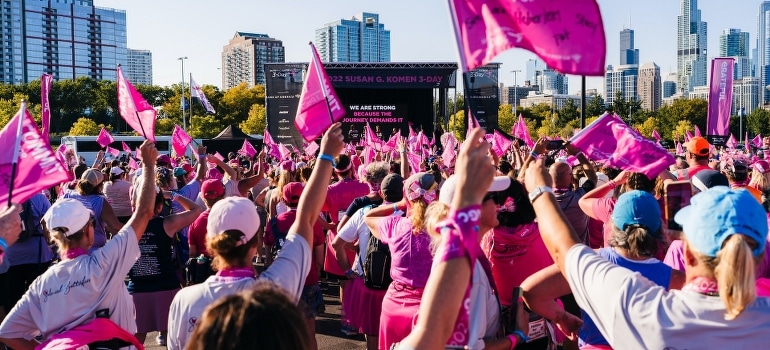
(537, 191)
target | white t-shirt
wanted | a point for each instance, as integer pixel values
(484, 315)
(356, 228)
(69, 293)
(288, 271)
(634, 313)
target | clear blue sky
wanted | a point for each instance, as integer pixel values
(420, 30)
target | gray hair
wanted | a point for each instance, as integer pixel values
(376, 171)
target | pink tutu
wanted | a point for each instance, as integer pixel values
(363, 307)
(399, 313)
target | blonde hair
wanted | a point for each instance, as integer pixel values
(226, 251)
(434, 214)
(417, 214)
(760, 181)
(734, 270)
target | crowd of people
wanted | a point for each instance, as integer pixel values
(531, 249)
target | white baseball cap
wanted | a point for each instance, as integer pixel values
(499, 183)
(233, 213)
(116, 170)
(68, 214)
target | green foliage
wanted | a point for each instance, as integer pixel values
(204, 126)
(648, 126)
(257, 120)
(682, 127)
(457, 125)
(505, 117)
(86, 127)
(595, 107)
(758, 122)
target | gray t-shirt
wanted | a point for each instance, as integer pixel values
(634, 313)
(69, 293)
(288, 271)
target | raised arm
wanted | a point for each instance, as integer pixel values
(202, 167)
(585, 164)
(145, 202)
(373, 217)
(540, 148)
(556, 231)
(229, 171)
(586, 202)
(314, 195)
(406, 169)
(540, 292)
(176, 222)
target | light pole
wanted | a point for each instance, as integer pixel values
(515, 91)
(742, 115)
(184, 119)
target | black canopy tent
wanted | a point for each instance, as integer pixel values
(231, 140)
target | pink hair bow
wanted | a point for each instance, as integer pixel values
(415, 191)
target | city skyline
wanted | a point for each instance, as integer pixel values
(420, 31)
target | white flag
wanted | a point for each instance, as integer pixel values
(196, 92)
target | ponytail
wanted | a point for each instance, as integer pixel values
(417, 215)
(735, 274)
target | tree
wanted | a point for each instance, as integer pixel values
(205, 126)
(595, 107)
(164, 126)
(86, 127)
(568, 113)
(682, 127)
(505, 117)
(758, 122)
(257, 120)
(236, 102)
(648, 126)
(457, 125)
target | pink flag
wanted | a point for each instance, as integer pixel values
(311, 148)
(126, 148)
(272, 147)
(247, 149)
(746, 144)
(104, 138)
(137, 154)
(285, 153)
(731, 142)
(414, 162)
(369, 153)
(134, 109)
(180, 140)
(655, 135)
(720, 98)
(37, 169)
(319, 106)
(687, 136)
(679, 150)
(757, 141)
(523, 132)
(113, 151)
(371, 139)
(609, 138)
(567, 34)
(132, 163)
(472, 124)
(219, 156)
(501, 143)
(450, 142)
(697, 132)
(61, 154)
(46, 81)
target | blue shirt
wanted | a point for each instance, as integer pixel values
(35, 250)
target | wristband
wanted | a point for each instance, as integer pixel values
(329, 158)
(3, 244)
(521, 335)
(534, 154)
(174, 196)
(513, 340)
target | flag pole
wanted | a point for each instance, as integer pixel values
(140, 123)
(320, 80)
(16, 147)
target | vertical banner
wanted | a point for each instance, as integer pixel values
(46, 81)
(720, 97)
(482, 95)
(282, 90)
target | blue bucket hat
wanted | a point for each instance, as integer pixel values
(716, 214)
(637, 208)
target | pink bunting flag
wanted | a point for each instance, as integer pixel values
(180, 140)
(731, 142)
(272, 147)
(126, 148)
(247, 149)
(414, 162)
(369, 153)
(567, 34)
(655, 135)
(371, 139)
(113, 151)
(319, 106)
(523, 133)
(132, 163)
(137, 154)
(104, 138)
(687, 136)
(757, 141)
(679, 149)
(37, 166)
(501, 143)
(311, 148)
(61, 155)
(697, 132)
(46, 81)
(219, 156)
(137, 113)
(746, 144)
(609, 138)
(450, 142)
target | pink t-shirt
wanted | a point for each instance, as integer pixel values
(410, 252)
(602, 209)
(197, 234)
(514, 253)
(674, 256)
(339, 197)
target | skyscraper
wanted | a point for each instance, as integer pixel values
(763, 51)
(546, 79)
(623, 79)
(733, 42)
(691, 47)
(139, 67)
(359, 39)
(66, 38)
(628, 55)
(650, 86)
(244, 58)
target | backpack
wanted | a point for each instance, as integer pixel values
(376, 264)
(279, 238)
(30, 227)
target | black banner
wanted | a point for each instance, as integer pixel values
(393, 78)
(282, 90)
(482, 96)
